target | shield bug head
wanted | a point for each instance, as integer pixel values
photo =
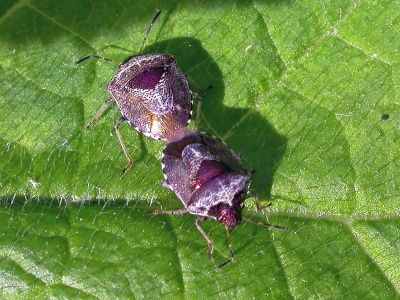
(153, 96)
(209, 179)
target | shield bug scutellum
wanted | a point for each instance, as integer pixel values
(153, 96)
(211, 182)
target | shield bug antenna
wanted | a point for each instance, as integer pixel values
(211, 182)
(153, 96)
(149, 29)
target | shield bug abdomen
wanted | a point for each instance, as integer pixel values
(154, 96)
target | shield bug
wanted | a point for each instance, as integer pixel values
(153, 96)
(211, 182)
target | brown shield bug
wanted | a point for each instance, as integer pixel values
(153, 96)
(211, 182)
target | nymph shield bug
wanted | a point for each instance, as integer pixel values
(209, 179)
(153, 96)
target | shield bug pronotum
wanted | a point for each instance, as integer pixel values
(211, 182)
(153, 96)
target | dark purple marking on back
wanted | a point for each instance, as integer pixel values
(208, 170)
(148, 79)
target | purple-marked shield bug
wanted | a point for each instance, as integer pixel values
(209, 179)
(153, 96)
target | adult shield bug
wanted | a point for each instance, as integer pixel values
(153, 96)
(209, 179)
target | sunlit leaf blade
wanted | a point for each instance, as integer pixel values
(298, 90)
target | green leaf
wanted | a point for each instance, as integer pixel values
(298, 90)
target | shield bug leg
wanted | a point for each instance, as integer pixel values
(205, 236)
(198, 98)
(257, 203)
(119, 122)
(265, 224)
(100, 112)
(232, 256)
(196, 86)
(199, 101)
(121, 142)
(258, 207)
(168, 212)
